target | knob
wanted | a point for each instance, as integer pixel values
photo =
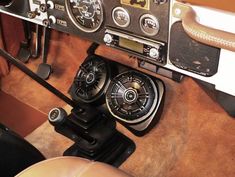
(43, 7)
(154, 53)
(159, 1)
(57, 116)
(52, 19)
(33, 14)
(108, 38)
(50, 4)
(48, 22)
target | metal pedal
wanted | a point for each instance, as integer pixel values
(44, 71)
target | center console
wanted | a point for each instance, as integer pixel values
(106, 92)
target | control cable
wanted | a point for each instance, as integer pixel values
(36, 78)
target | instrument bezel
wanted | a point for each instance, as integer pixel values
(79, 26)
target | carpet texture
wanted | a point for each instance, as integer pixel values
(65, 60)
(18, 116)
(194, 138)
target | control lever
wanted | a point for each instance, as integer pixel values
(25, 52)
(36, 51)
(94, 134)
(59, 118)
(44, 70)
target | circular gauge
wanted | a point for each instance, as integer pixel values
(132, 97)
(87, 15)
(121, 17)
(149, 25)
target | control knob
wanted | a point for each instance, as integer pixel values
(48, 22)
(33, 14)
(57, 116)
(154, 53)
(50, 4)
(43, 7)
(159, 1)
(108, 38)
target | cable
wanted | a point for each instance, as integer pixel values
(36, 78)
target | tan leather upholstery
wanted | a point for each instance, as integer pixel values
(201, 33)
(71, 167)
(228, 5)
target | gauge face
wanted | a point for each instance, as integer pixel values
(87, 15)
(149, 25)
(121, 17)
(132, 97)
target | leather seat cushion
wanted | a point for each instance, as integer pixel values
(71, 167)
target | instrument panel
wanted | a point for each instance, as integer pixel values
(139, 23)
(119, 24)
(145, 29)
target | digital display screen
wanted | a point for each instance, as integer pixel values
(132, 45)
(143, 4)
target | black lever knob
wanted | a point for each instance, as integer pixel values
(57, 116)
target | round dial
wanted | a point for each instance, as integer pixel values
(149, 24)
(121, 17)
(132, 97)
(87, 15)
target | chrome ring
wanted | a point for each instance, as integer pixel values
(126, 13)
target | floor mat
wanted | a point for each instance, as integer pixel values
(18, 116)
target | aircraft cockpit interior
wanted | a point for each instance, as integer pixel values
(117, 88)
